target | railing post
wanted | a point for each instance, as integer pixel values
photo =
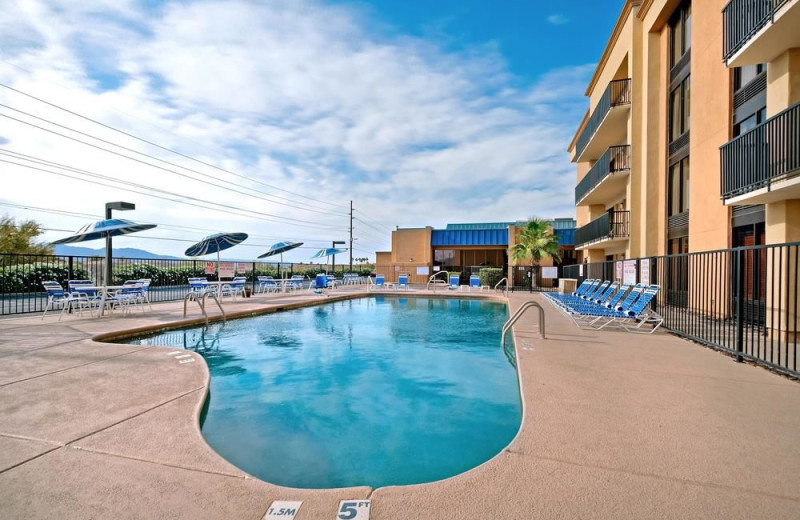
(739, 274)
(70, 269)
(253, 275)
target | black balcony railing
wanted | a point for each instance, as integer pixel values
(613, 224)
(767, 153)
(617, 93)
(742, 19)
(615, 160)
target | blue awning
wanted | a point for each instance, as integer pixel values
(469, 237)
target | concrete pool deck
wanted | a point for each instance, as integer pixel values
(614, 426)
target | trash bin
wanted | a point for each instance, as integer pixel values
(567, 285)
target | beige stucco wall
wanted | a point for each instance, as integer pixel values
(412, 246)
(709, 219)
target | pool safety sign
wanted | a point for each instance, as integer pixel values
(549, 273)
(283, 510)
(353, 510)
(210, 269)
(226, 269)
(629, 272)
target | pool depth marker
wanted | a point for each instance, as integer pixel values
(353, 510)
(282, 509)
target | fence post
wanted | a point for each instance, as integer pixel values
(70, 269)
(253, 275)
(739, 273)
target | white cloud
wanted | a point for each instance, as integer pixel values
(557, 19)
(298, 94)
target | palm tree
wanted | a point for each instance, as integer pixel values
(535, 242)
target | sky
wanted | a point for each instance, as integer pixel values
(269, 117)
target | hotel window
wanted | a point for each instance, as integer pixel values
(679, 187)
(681, 33)
(680, 101)
(744, 75)
(749, 98)
(444, 257)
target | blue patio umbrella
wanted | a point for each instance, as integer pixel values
(327, 252)
(215, 244)
(279, 248)
(111, 227)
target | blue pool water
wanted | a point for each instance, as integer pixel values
(373, 391)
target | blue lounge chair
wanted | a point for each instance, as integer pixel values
(267, 284)
(234, 288)
(454, 282)
(475, 282)
(380, 282)
(56, 296)
(402, 282)
(633, 318)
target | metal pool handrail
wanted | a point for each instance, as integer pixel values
(505, 290)
(434, 275)
(517, 315)
(202, 304)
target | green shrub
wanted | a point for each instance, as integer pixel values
(490, 275)
(29, 277)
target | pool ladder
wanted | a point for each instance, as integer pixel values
(517, 315)
(505, 287)
(432, 280)
(201, 302)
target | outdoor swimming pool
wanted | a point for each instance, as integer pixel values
(372, 391)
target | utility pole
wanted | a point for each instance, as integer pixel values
(351, 236)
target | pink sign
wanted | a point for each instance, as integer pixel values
(210, 268)
(226, 269)
(618, 275)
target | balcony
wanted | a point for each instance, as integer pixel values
(612, 228)
(763, 165)
(607, 178)
(756, 31)
(608, 124)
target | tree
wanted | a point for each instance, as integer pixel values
(20, 238)
(535, 243)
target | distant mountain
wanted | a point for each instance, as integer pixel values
(122, 252)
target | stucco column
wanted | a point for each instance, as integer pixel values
(782, 284)
(783, 82)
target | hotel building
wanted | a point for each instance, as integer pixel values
(691, 141)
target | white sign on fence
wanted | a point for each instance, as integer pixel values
(423, 271)
(629, 272)
(580, 269)
(549, 273)
(436, 268)
(644, 271)
(226, 269)
(618, 271)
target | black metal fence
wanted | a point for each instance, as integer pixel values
(743, 301)
(617, 93)
(767, 153)
(611, 224)
(742, 19)
(615, 159)
(21, 276)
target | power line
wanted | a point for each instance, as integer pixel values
(210, 165)
(378, 223)
(221, 186)
(172, 227)
(232, 209)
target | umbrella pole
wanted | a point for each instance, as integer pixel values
(218, 277)
(107, 280)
